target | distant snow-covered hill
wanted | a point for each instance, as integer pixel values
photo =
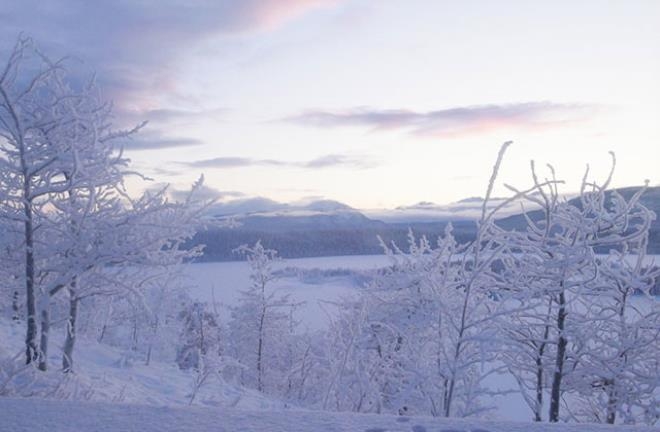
(265, 206)
(330, 228)
(468, 209)
(651, 199)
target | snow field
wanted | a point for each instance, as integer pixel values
(17, 415)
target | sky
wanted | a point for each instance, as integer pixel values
(372, 103)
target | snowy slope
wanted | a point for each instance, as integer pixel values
(36, 415)
(108, 374)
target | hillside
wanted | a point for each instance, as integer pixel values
(651, 199)
(308, 239)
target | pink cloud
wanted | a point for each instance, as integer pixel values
(133, 44)
(454, 122)
(271, 14)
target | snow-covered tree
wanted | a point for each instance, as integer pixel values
(619, 375)
(62, 190)
(130, 248)
(553, 274)
(52, 137)
(33, 159)
(200, 335)
(11, 291)
(419, 339)
(166, 298)
(261, 325)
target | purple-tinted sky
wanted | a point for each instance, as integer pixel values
(374, 103)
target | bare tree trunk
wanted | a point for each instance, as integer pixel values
(154, 333)
(539, 387)
(457, 352)
(31, 351)
(70, 338)
(260, 349)
(611, 416)
(611, 403)
(102, 335)
(134, 337)
(539, 370)
(106, 320)
(538, 412)
(560, 359)
(303, 372)
(43, 346)
(14, 307)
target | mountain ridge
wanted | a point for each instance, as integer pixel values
(326, 227)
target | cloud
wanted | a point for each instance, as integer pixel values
(326, 161)
(155, 134)
(247, 205)
(157, 141)
(167, 115)
(204, 193)
(133, 44)
(164, 172)
(333, 160)
(228, 162)
(452, 122)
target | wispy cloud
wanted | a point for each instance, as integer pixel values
(167, 115)
(327, 161)
(231, 162)
(451, 122)
(332, 160)
(157, 141)
(133, 44)
(205, 193)
(163, 172)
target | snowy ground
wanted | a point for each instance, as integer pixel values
(107, 374)
(36, 415)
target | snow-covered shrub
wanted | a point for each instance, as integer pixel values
(200, 335)
(262, 326)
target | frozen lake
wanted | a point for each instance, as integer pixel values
(223, 281)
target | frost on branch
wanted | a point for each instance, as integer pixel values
(569, 301)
